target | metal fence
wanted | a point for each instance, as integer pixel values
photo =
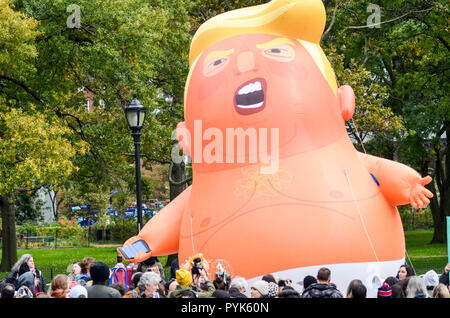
(32, 241)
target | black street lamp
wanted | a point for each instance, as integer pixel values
(135, 113)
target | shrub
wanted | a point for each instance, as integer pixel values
(66, 232)
(421, 219)
(122, 230)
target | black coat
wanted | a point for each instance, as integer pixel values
(443, 279)
(234, 293)
(322, 291)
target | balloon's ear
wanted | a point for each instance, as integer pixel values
(346, 98)
(184, 138)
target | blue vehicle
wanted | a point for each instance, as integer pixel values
(129, 214)
(81, 220)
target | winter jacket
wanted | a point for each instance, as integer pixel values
(102, 291)
(234, 293)
(83, 280)
(13, 278)
(178, 290)
(26, 279)
(205, 294)
(443, 279)
(322, 291)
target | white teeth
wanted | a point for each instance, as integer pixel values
(250, 88)
(251, 106)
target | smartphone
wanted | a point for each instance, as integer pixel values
(137, 247)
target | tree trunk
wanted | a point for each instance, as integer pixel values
(440, 208)
(9, 250)
(54, 204)
(440, 225)
(178, 174)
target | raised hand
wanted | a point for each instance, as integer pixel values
(419, 195)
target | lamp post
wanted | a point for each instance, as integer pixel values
(135, 113)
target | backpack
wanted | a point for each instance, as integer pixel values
(129, 275)
(119, 275)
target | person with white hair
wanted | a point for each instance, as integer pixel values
(238, 287)
(23, 265)
(149, 284)
(416, 288)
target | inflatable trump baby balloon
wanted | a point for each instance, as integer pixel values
(278, 186)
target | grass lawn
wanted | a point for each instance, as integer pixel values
(420, 253)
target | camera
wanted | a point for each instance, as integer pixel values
(223, 277)
(197, 266)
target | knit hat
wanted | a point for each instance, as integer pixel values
(385, 291)
(308, 280)
(273, 290)
(77, 291)
(184, 277)
(99, 272)
(261, 286)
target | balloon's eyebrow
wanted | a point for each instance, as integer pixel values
(215, 54)
(274, 42)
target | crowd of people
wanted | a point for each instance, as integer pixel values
(90, 278)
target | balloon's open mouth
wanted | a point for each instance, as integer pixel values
(250, 97)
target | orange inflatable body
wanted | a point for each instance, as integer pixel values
(278, 186)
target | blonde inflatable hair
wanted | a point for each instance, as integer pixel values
(303, 20)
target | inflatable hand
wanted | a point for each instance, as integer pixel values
(135, 249)
(419, 194)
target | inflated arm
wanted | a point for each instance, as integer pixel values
(161, 232)
(399, 183)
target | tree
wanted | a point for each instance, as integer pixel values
(28, 206)
(372, 120)
(95, 199)
(34, 145)
(51, 65)
(34, 152)
(119, 47)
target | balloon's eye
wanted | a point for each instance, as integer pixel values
(280, 53)
(215, 66)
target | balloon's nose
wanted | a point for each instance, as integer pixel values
(245, 61)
